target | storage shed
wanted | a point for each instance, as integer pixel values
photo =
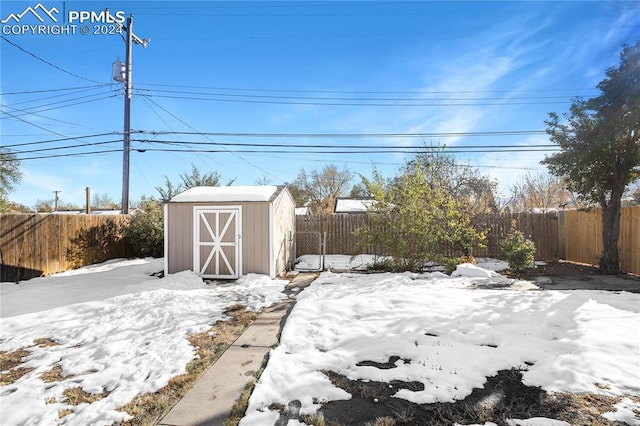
(225, 232)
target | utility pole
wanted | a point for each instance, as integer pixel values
(87, 196)
(55, 201)
(126, 148)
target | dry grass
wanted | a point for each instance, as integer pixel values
(64, 413)
(583, 409)
(240, 407)
(45, 342)
(316, 419)
(53, 375)
(13, 375)
(383, 421)
(9, 360)
(76, 396)
(150, 408)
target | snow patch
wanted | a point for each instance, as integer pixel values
(537, 421)
(456, 330)
(223, 194)
(125, 345)
(627, 412)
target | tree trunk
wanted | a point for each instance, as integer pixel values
(609, 262)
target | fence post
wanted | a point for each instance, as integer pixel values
(562, 241)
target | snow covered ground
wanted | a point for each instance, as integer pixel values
(361, 262)
(118, 330)
(450, 333)
(121, 331)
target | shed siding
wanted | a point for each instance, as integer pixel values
(180, 238)
(255, 236)
(283, 228)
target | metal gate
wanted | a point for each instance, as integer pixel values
(217, 251)
(310, 250)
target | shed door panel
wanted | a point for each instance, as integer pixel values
(217, 241)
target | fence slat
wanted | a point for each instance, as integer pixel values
(571, 235)
(32, 245)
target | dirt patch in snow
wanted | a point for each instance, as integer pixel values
(502, 397)
(558, 269)
(575, 276)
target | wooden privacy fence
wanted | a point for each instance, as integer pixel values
(541, 228)
(32, 245)
(570, 235)
(583, 237)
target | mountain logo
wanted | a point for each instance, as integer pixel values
(38, 11)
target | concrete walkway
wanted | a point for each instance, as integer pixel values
(213, 396)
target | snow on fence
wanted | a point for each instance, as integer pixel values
(32, 245)
(569, 235)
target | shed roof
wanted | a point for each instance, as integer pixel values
(353, 205)
(225, 194)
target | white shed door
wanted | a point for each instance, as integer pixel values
(217, 252)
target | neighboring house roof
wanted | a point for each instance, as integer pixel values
(544, 210)
(228, 194)
(302, 211)
(353, 205)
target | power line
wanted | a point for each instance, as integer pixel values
(376, 104)
(386, 163)
(49, 63)
(192, 128)
(39, 109)
(316, 149)
(60, 95)
(334, 146)
(414, 150)
(32, 124)
(28, 92)
(66, 138)
(38, 115)
(73, 154)
(300, 135)
(350, 135)
(335, 98)
(412, 92)
(270, 152)
(55, 148)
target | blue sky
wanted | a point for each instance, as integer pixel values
(459, 74)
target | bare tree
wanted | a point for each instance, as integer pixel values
(10, 176)
(44, 206)
(319, 189)
(540, 192)
(264, 180)
(103, 201)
